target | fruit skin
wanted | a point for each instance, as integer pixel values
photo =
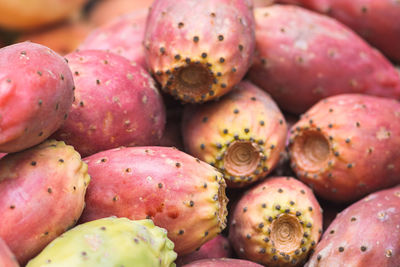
(276, 209)
(7, 259)
(116, 104)
(33, 14)
(178, 192)
(36, 104)
(223, 262)
(110, 242)
(300, 76)
(365, 234)
(371, 19)
(345, 146)
(199, 50)
(218, 247)
(245, 114)
(42, 193)
(123, 35)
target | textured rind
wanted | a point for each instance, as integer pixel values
(208, 130)
(363, 134)
(36, 93)
(61, 38)
(123, 35)
(32, 14)
(372, 19)
(178, 192)
(250, 212)
(7, 259)
(223, 262)
(218, 247)
(110, 242)
(367, 233)
(116, 104)
(42, 194)
(179, 32)
(296, 50)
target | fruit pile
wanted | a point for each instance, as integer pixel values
(226, 133)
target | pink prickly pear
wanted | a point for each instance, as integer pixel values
(116, 104)
(345, 146)
(223, 262)
(365, 234)
(243, 134)
(296, 51)
(42, 194)
(123, 35)
(7, 258)
(276, 223)
(198, 50)
(36, 93)
(178, 192)
(218, 247)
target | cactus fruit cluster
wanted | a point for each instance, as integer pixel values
(198, 50)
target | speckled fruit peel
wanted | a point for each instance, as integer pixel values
(123, 35)
(242, 135)
(346, 146)
(303, 57)
(223, 262)
(198, 50)
(7, 258)
(371, 19)
(276, 223)
(110, 242)
(42, 193)
(175, 190)
(36, 93)
(116, 104)
(218, 247)
(366, 233)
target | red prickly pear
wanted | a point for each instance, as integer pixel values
(367, 233)
(198, 50)
(372, 19)
(123, 35)
(42, 194)
(296, 51)
(243, 134)
(218, 247)
(7, 258)
(223, 262)
(276, 223)
(116, 104)
(36, 93)
(345, 146)
(178, 192)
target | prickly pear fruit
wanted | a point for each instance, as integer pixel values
(178, 192)
(33, 14)
(198, 50)
(123, 35)
(223, 262)
(243, 134)
(372, 19)
(36, 93)
(106, 10)
(110, 242)
(42, 194)
(7, 258)
(218, 247)
(116, 104)
(365, 234)
(296, 51)
(345, 146)
(276, 223)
